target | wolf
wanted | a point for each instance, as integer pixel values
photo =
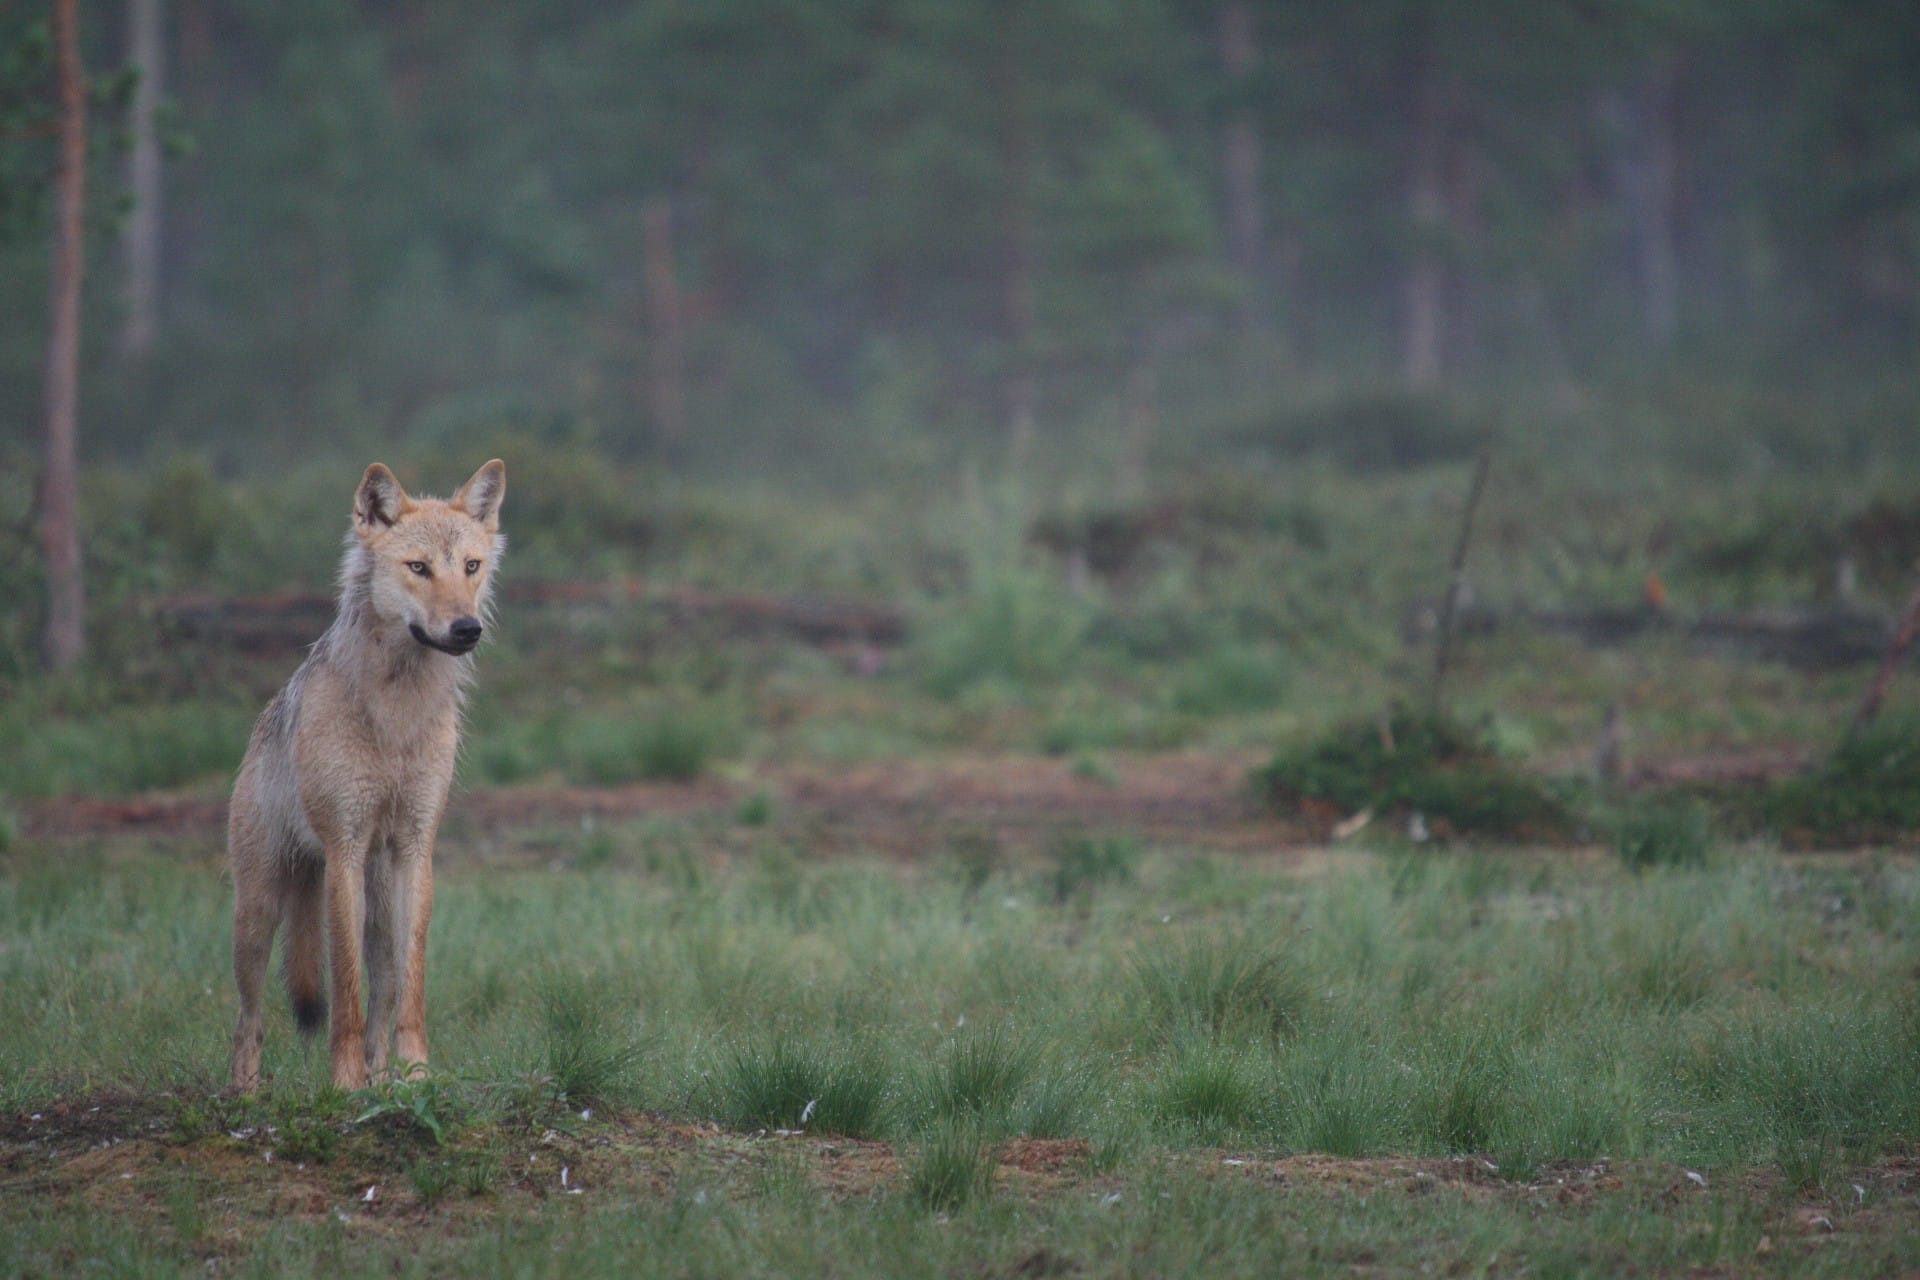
(331, 829)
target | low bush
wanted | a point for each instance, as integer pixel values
(1409, 762)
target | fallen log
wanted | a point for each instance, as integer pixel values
(291, 619)
(1810, 639)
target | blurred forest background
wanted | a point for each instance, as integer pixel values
(843, 256)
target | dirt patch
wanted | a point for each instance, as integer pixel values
(890, 807)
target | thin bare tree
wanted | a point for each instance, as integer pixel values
(140, 242)
(65, 637)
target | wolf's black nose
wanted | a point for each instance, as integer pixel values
(465, 631)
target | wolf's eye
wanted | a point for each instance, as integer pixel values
(473, 567)
(420, 567)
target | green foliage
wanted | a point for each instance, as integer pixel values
(421, 1103)
(1867, 790)
(591, 1057)
(113, 752)
(756, 810)
(1423, 762)
(1224, 985)
(1232, 678)
(1208, 1088)
(1083, 863)
(432, 1177)
(1662, 831)
(981, 1075)
(1016, 627)
(1376, 431)
(787, 1081)
(666, 742)
(952, 1166)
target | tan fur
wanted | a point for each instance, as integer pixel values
(340, 795)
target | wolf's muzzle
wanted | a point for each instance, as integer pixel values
(462, 636)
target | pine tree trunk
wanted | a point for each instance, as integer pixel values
(1018, 296)
(65, 636)
(666, 326)
(1241, 161)
(1423, 336)
(142, 240)
(1660, 162)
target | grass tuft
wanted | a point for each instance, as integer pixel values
(789, 1082)
(954, 1165)
(1662, 832)
(1219, 985)
(591, 1059)
(981, 1075)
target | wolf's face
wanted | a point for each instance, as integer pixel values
(431, 560)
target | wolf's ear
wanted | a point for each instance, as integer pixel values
(380, 501)
(480, 497)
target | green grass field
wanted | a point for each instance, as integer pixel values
(982, 952)
(1137, 1061)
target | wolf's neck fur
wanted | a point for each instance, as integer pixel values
(380, 661)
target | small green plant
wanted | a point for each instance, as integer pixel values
(953, 1166)
(1208, 1088)
(981, 1074)
(672, 744)
(430, 1104)
(589, 1059)
(791, 1082)
(1664, 832)
(977, 856)
(432, 1178)
(1229, 679)
(1014, 626)
(306, 1139)
(1218, 985)
(756, 810)
(193, 1120)
(186, 1212)
(1082, 863)
(480, 1172)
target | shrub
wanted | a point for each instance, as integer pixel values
(1867, 790)
(1412, 761)
(1015, 625)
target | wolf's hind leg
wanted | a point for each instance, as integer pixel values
(256, 914)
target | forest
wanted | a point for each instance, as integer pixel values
(1141, 637)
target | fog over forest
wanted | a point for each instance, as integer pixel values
(838, 237)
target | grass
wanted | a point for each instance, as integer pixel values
(1511, 1011)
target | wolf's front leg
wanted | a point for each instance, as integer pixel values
(378, 954)
(346, 931)
(413, 885)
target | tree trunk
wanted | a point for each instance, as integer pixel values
(1241, 161)
(1423, 334)
(142, 241)
(1018, 297)
(666, 326)
(65, 636)
(1660, 162)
